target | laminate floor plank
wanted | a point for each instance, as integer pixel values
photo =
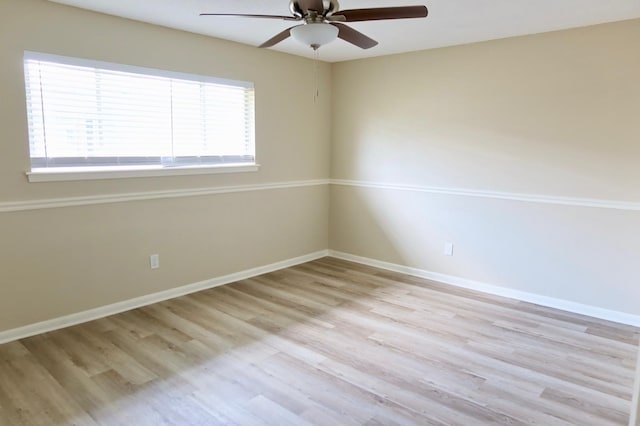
(327, 342)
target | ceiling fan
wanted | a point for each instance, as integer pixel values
(322, 22)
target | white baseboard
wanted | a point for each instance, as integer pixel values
(565, 305)
(126, 305)
(116, 308)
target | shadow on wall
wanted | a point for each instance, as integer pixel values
(577, 254)
(411, 229)
(358, 226)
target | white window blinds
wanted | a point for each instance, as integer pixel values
(94, 114)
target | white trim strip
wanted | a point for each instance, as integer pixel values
(13, 206)
(565, 305)
(116, 308)
(532, 198)
(53, 175)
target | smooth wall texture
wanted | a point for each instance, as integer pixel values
(55, 262)
(553, 114)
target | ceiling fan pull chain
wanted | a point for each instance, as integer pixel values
(316, 65)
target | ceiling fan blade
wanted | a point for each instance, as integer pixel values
(306, 5)
(381, 13)
(352, 36)
(277, 38)
(241, 15)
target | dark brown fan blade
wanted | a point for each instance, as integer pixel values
(306, 5)
(240, 15)
(380, 13)
(277, 38)
(354, 37)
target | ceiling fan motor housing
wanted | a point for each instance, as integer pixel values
(329, 8)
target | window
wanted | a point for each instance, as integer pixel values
(87, 116)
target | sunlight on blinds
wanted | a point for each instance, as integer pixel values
(84, 113)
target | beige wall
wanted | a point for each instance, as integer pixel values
(60, 261)
(553, 114)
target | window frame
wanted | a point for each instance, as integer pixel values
(111, 171)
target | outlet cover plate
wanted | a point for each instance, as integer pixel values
(448, 249)
(154, 261)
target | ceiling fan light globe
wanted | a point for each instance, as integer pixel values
(315, 34)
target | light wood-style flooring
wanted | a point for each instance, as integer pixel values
(330, 343)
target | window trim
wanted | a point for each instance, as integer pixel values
(61, 174)
(49, 174)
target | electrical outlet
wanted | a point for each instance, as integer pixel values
(448, 249)
(154, 261)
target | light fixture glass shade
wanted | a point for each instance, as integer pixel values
(315, 35)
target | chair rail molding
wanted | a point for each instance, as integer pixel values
(13, 206)
(513, 196)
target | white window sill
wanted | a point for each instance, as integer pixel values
(96, 173)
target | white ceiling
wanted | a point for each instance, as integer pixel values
(450, 22)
